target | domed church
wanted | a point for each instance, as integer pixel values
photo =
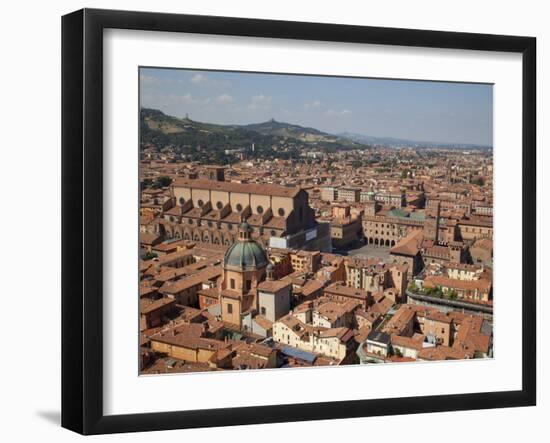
(244, 267)
(245, 253)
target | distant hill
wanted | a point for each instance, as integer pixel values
(282, 129)
(187, 136)
(391, 141)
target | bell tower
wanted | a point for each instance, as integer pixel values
(431, 223)
(244, 267)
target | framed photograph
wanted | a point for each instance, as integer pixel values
(269, 221)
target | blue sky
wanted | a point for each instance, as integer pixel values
(416, 110)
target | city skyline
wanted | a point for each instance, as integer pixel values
(276, 246)
(337, 258)
(423, 111)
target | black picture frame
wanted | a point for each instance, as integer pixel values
(82, 187)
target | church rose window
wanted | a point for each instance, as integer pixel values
(260, 209)
(281, 212)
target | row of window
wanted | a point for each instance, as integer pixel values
(210, 224)
(197, 238)
(238, 207)
(247, 284)
(474, 230)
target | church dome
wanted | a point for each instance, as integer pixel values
(245, 252)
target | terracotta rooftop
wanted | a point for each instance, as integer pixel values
(263, 322)
(189, 282)
(260, 189)
(273, 285)
(147, 306)
(409, 244)
(347, 291)
(466, 285)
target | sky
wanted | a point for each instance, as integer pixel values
(414, 110)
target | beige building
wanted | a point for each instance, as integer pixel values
(274, 296)
(337, 343)
(440, 326)
(153, 311)
(345, 231)
(187, 342)
(341, 293)
(395, 199)
(349, 194)
(460, 271)
(476, 228)
(374, 276)
(334, 315)
(329, 193)
(209, 211)
(185, 290)
(479, 290)
(305, 261)
(387, 230)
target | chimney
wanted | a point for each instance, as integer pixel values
(216, 173)
(270, 270)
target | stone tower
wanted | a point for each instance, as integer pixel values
(431, 223)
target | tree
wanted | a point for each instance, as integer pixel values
(149, 255)
(478, 181)
(413, 287)
(162, 182)
(146, 183)
(434, 291)
(452, 295)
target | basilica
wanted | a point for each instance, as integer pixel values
(209, 210)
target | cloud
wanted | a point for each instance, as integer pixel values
(147, 78)
(205, 80)
(151, 80)
(333, 113)
(186, 99)
(198, 78)
(260, 101)
(313, 104)
(224, 98)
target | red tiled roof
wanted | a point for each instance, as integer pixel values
(254, 188)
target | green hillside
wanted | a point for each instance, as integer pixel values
(207, 142)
